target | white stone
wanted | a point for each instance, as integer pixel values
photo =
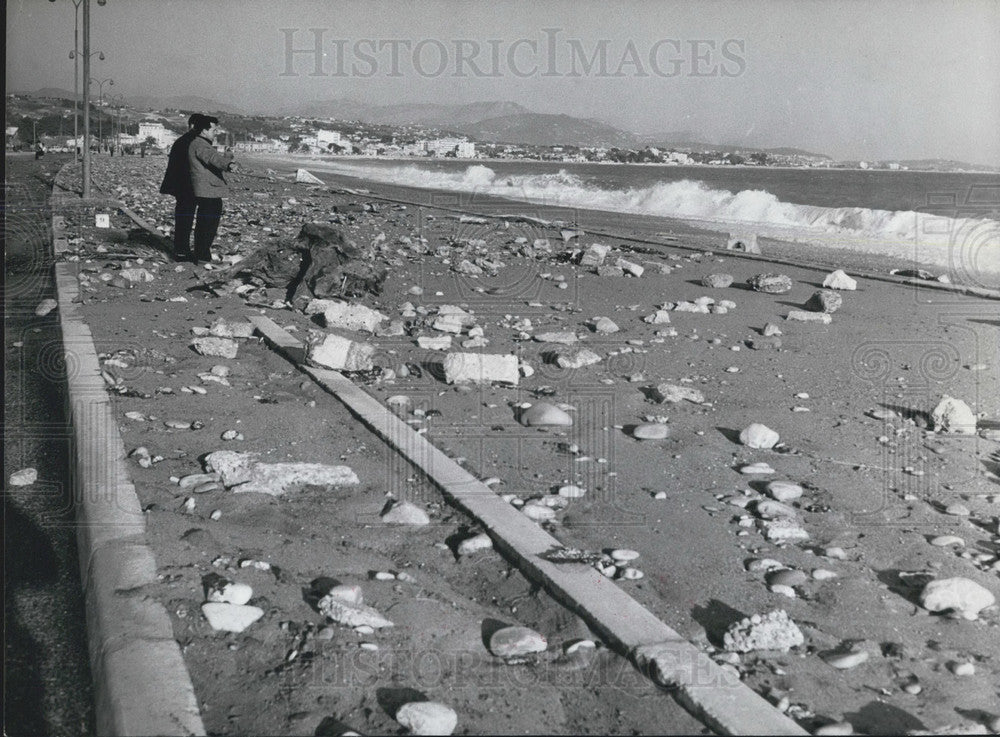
(783, 491)
(543, 414)
(783, 530)
(846, 661)
(594, 255)
(24, 477)
(660, 317)
(629, 267)
(823, 574)
(771, 631)
(303, 176)
(538, 512)
(651, 431)
(434, 343)
(624, 555)
(45, 307)
(427, 718)
(213, 346)
(605, 325)
(577, 359)
(243, 472)
(481, 368)
(943, 541)
(474, 544)
(349, 614)
(840, 280)
(954, 416)
(770, 509)
(230, 617)
(571, 491)
(759, 436)
(756, 468)
(347, 316)
(342, 354)
(961, 595)
(564, 337)
(406, 513)
(835, 730)
(804, 316)
(677, 393)
(512, 642)
(232, 593)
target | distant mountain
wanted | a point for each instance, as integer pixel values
(539, 129)
(687, 141)
(426, 114)
(48, 93)
(945, 165)
(187, 103)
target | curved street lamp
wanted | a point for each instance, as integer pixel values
(100, 104)
(86, 73)
(119, 102)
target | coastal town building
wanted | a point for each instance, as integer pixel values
(157, 131)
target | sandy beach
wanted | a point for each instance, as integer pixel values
(878, 487)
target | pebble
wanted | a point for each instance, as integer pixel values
(230, 617)
(771, 330)
(943, 541)
(759, 436)
(605, 325)
(957, 510)
(845, 661)
(677, 393)
(787, 577)
(756, 468)
(474, 544)
(963, 669)
(24, 477)
(837, 553)
(804, 316)
(45, 307)
(913, 688)
(770, 509)
(782, 589)
(543, 414)
(651, 431)
(961, 595)
(405, 513)
(571, 492)
(823, 574)
(538, 512)
(631, 574)
(624, 555)
(717, 281)
(233, 593)
(783, 491)
(835, 729)
(427, 718)
(232, 435)
(513, 642)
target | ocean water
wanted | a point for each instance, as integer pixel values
(940, 219)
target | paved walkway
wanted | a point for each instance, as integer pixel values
(47, 676)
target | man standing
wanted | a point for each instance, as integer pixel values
(195, 178)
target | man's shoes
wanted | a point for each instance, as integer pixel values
(181, 256)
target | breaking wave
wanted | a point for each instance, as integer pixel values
(923, 237)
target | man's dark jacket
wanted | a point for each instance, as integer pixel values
(177, 181)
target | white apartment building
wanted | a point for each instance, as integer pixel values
(156, 130)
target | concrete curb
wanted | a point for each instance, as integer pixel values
(141, 684)
(714, 695)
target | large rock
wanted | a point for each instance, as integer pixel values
(677, 393)
(302, 176)
(406, 513)
(759, 436)
(543, 414)
(342, 354)
(594, 255)
(784, 491)
(242, 472)
(347, 316)
(605, 325)
(717, 281)
(351, 614)
(514, 642)
(577, 359)
(480, 368)
(24, 477)
(217, 347)
(629, 267)
(770, 283)
(840, 280)
(954, 416)
(825, 300)
(230, 617)
(960, 595)
(427, 718)
(651, 431)
(804, 316)
(771, 631)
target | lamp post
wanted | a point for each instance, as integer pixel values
(75, 56)
(119, 102)
(100, 104)
(86, 96)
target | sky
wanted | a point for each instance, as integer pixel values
(875, 79)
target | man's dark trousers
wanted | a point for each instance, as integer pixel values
(209, 212)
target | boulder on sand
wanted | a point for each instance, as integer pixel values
(954, 416)
(303, 176)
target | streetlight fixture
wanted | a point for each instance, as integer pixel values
(75, 56)
(100, 128)
(86, 87)
(119, 102)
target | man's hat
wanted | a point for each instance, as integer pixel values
(202, 121)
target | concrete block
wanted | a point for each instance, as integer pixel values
(480, 368)
(342, 354)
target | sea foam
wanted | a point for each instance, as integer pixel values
(962, 245)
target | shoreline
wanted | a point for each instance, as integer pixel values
(836, 250)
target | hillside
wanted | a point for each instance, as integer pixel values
(540, 129)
